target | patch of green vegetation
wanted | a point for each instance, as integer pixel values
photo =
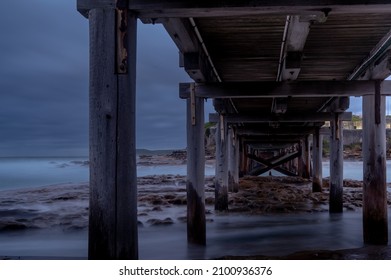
(356, 118)
(207, 126)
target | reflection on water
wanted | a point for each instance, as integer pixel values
(228, 234)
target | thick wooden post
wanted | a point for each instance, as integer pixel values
(302, 167)
(336, 165)
(233, 161)
(195, 184)
(317, 179)
(243, 158)
(374, 164)
(221, 178)
(236, 163)
(113, 179)
(308, 144)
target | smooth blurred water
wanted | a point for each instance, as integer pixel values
(230, 234)
(36, 172)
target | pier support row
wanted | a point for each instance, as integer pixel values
(374, 165)
(113, 179)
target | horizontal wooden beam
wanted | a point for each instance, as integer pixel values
(283, 89)
(280, 131)
(196, 8)
(155, 9)
(313, 117)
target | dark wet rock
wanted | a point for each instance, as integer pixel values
(363, 253)
(159, 222)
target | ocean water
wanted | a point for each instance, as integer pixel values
(35, 172)
(227, 234)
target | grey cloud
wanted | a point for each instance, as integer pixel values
(44, 82)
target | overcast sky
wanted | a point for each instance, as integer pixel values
(44, 82)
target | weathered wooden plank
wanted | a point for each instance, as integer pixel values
(113, 201)
(315, 117)
(317, 179)
(336, 165)
(375, 221)
(195, 183)
(221, 176)
(282, 89)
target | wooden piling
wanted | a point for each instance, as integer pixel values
(336, 165)
(242, 158)
(233, 161)
(221, 177)
(317, 179)
(375, 225)
(195, 183)
(113, 179)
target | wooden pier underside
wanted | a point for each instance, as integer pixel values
(276, 71)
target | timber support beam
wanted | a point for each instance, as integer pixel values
(317, 179)
(221, 177)
(336, 165)
(195, 183)
(113, 180)
(375, 221)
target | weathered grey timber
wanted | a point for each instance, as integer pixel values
(374, 163)
(317, 179)
(196, 228)
(221, 177)
(233, 161)
(336, 165)
(304, 162)
(113, 188)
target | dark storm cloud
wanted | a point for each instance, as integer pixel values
(43, 79)
(44, 82)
